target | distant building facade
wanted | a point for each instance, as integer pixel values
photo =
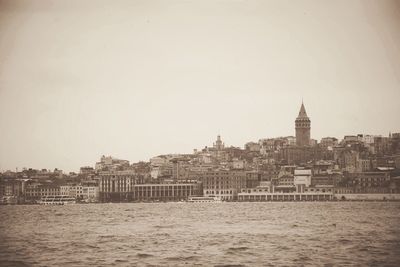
(166, 191)
(116, 185)
(221, 183)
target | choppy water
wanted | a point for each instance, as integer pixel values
(203, 234)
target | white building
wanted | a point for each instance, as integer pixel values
(302, 179)
(90, 193)
(85, 193)
(64, 190)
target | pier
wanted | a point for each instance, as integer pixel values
(260, 197)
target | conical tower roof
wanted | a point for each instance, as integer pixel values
(302, 112)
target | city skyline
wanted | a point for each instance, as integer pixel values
(293, 134)
(302, 139)
(302, 110)
(139, 79)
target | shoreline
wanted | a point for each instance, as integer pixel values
(165, 202)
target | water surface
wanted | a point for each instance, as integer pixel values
(202, 234)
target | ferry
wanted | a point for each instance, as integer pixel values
(204, 199)
(57, 200)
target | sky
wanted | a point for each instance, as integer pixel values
(136, 79)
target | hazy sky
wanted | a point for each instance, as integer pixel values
(135, 79)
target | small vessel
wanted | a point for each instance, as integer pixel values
(57, 200)
(204, 199)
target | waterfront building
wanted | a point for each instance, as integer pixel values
(303, 128)
(12, 190)
(76, 191)
(343, 190)
(370, 182)
(65, 190)
(302, 179)
(11, 187)
(90, 193)
(80, 192)
(221, 183)
(36, 191)
(261, 195)
(284, 184)
(254, 178)
(127, 186)
(266, 188)
(325, 179)
(329, 189)
(166, 191)
(117, 185)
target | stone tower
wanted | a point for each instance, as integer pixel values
(218, 144)
(303, 127)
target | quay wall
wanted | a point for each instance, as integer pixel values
(259, 197)
(374, 197)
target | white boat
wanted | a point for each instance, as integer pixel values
(204, 199)
(57, 200)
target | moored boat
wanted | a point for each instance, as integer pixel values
(204, 199)
(57, 200)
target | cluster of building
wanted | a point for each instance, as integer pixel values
(291, 168)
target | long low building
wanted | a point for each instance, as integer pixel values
(154, 192)
(263, 195)
(166, 192)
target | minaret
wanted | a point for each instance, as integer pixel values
(303, 127)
